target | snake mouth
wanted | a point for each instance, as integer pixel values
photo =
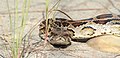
(60, 41)
(59, 45)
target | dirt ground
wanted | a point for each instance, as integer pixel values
(77, 9)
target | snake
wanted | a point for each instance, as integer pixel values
(61, 31)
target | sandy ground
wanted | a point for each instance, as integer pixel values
(77, 9)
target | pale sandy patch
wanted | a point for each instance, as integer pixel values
(106, 43)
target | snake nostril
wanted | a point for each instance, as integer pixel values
(88, 34)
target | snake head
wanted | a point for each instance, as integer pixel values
(61, 37)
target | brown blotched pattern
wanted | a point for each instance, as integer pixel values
(62, 31)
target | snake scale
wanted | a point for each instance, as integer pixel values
(62, 31)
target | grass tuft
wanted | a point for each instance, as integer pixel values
(17, 28)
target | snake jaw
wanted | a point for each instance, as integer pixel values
(60, 41)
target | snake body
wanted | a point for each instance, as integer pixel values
(62, 31)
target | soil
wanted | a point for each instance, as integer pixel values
(77, 9)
